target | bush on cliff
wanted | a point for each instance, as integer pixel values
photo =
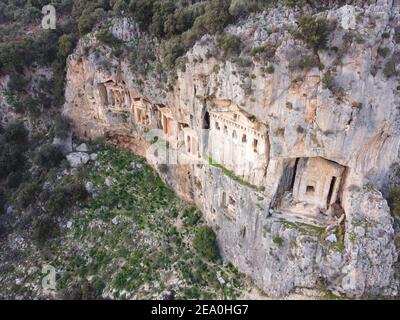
(313, 31)
(205, 243)
(229, 44)
(217, 15)
(395, 201)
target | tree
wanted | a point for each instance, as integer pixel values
(142, 12)
(66, 44)
(161, 10)
(238, 8)
(217, 15)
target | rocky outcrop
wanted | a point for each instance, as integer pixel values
(259, 186)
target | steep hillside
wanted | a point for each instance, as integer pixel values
(129, 238)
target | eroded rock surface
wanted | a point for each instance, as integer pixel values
(284, 168)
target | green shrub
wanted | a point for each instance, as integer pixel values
(383, 51)
(239, 8)
(65, 195)
(190, 216)
(98, 286)
(119, 7)
(88, 13)
(229, 44)
(17, 83)
(217, 15)
(161, 10)
(65, 45)
(42, 50)
(395, 201)
(142, 12)
(270, 69)
(278, 241)
(13, 143)
(369, 187)
(182, 19)
(328, 82)
(44, 229)
(313, 31)
(263, 53)
(390, 69)
(106, 37)
(48, 156)
(172, 50)
(205, 243)
(307, 62)
(14, 179)
(12, 159)
(27, 194)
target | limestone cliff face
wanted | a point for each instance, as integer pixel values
(284, 165)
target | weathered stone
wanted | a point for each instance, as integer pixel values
(89, 187)
(331, 238)
(108, 182)
(77, 159)
(64, 144)
(82, 148)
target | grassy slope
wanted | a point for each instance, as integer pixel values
(132, 240)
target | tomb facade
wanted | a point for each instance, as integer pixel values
(142, 111)
(192, 145)
(170, 126)
(238, 142)
(114, 95)
(314, 188)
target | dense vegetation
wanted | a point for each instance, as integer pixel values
(178, 23)
(27, 177)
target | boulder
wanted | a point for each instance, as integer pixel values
(108, 182)
(82, 148)
(89, 187)
(77, 159)
(331, 238)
